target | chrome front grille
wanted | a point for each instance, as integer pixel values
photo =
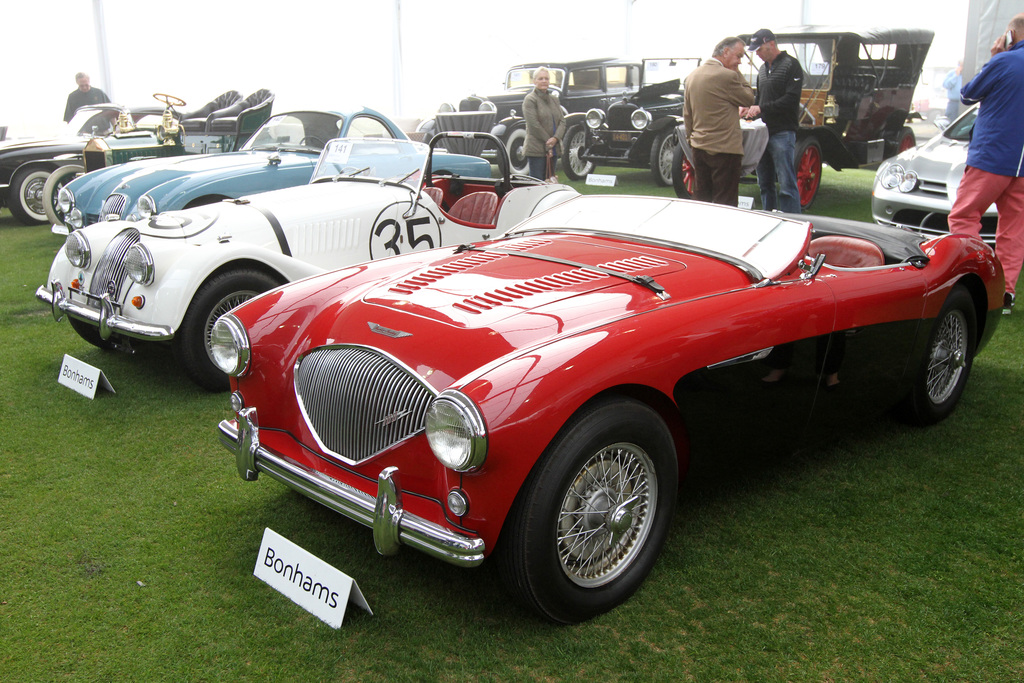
(359, 401)
(113, 206)
(109, 275)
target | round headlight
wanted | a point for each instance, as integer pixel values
(76, 248)
(146, 206)
(487, 105)
(595, 117)
(456, 431)
(229, 345)
(65, 200)
(640, 119)
(892, 177)
(138, 263)
(909, 182)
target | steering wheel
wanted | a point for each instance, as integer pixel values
(314, 140)
(169, 100)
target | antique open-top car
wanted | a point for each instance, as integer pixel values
(917, 188)
(25, 164)
(857, 93)
(169, 277)
(538, 396)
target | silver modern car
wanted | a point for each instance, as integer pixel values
(917, 188)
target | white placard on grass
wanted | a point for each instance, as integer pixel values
(306, 580)
(82, 377)
(602, 180)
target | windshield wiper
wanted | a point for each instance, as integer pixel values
(643, 280)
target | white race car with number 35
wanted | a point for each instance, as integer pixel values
(168, 278)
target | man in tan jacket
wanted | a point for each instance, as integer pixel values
(713, 95)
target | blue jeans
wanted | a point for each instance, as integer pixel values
(538, 166)
(777, 163)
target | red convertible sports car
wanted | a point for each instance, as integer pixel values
(538, 396)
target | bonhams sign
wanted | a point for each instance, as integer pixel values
(306, 580)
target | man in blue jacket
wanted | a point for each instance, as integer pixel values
(995, 159)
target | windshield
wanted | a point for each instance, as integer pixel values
(517, 79)
(305, 130)
(961, 129)
(767, 243)
(93, 121)
(370, 158)
(815, 57)
(661, 70)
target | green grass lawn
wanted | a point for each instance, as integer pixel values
(127, 542)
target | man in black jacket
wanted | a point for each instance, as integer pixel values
(84, 95)
(779, 82)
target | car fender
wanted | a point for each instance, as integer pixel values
(176, 193)
(188, 266)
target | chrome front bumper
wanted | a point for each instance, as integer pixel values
(392, 525)
(106, 318)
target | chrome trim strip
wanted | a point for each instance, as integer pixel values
(392, 525)
(104, 318)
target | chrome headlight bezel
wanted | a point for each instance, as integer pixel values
(74, 219)
(78, 250)
(595, 119)
(487, 105)
(640, 119)
(65, 200)
(456, 431)
(895, 177)
(139, 265)
(146, 206)
(230, 349)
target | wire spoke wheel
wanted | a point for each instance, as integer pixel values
(606, 514)
(948, 357)
(220, 308)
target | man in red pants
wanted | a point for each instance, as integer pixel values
(995, 159)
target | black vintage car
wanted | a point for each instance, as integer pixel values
(857, 94)
(638, 130)
(581, 86)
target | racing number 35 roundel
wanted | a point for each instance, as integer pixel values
(394, 233)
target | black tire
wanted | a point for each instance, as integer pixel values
(682, 174)
(25, 195)
(663, 155)
(515, 144)
(56, 180)
(215, 297)
(807, 162)
(943, 374)
(574, 144)
(614, 452)
(91, 334)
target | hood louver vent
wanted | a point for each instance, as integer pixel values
(429, 277)
(548, 283)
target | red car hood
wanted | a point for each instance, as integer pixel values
(445, 316)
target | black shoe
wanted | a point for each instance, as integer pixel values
(1008, 299)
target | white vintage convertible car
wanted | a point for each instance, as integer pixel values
(168, 278)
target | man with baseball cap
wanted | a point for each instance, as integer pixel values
(779, 82)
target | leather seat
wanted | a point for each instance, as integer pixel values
(847, 252)
(476, 207)
(196, 121)
(233, 119)
(435, 193)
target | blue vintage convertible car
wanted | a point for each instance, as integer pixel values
(282, 153)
